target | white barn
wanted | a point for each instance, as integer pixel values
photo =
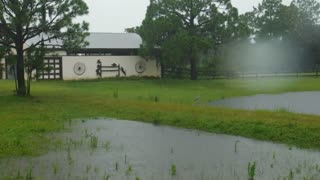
(108, 55)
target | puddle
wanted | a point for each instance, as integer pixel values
(299, 102)
(115, 149)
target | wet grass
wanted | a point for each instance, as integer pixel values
(93, 142)
(251, 171)
(26, 122)
(55, 169)
(173, 170)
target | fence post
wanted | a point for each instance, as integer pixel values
(119, 70)
(99, 68)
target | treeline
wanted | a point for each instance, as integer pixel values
(211, 35)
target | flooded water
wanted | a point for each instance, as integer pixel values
(125, 150)
(299, 102)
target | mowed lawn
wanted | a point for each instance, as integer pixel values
(27, 122)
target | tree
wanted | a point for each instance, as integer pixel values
(181, 29)
(295, 26)
(309, 10)
(40, 21)
(3, 51)
(307, 16)
(34, 61)
(155, 34)
(131, 30)
(307, 30)
(270, 20)
(233, 29)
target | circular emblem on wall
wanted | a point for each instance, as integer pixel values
(141, 67)
(79, 68)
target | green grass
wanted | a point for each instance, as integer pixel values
(26, 122)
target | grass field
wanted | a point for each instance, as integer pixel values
(26, 122)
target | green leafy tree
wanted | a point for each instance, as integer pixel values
(307, 17)
(131, 30)
(34, 61)
(155, 33)
(307, 30)
(296, 25)
(3, 51)
(40, 21)
(182, 29)
(309, 10)
(272, 20)
(232, 29)
(269, 20)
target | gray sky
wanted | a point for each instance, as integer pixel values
(116, 15)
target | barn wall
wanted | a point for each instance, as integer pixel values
(90, 62)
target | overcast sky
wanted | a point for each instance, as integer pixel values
(116, 15)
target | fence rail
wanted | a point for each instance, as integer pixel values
(202, 74)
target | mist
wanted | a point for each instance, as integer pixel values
(271, 56)
(264, 59)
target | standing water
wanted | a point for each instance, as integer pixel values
(299, 102)
(115, 149)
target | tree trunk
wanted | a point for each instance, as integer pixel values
(193, 63)
(15, 76)
(20, 68)
(194, 70)
(29, 82)
(163, 68)
(192, 51)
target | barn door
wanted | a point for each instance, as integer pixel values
(55, 66)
